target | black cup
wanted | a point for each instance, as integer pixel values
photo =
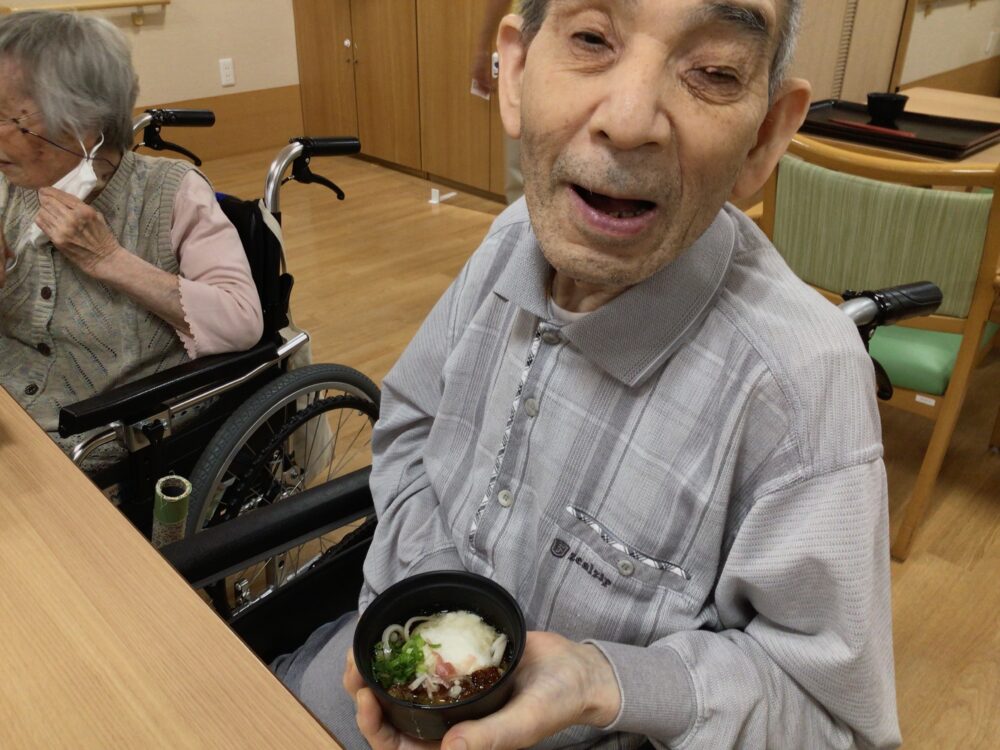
(884, 108)
(428, 594)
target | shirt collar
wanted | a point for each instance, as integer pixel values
(634, 334)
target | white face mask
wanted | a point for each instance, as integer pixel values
(78, 182)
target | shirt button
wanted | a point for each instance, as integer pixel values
(626, 567)
(44, 349)
(46, 292)
(551, 337)
(531, 407)
(31, 389)
(505, 498)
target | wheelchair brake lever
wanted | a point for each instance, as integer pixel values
(168, 146)
(151, 138)
(302, 173)
(883, 386)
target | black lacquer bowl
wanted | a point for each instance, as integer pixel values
(428, 594)
(884, 108)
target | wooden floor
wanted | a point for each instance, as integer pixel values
(369, 269)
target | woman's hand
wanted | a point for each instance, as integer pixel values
(381, 735)
(78, 231)
(559, 683)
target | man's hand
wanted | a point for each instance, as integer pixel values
(381, 735)
(78, 231)
(559, 683)
(482, 69)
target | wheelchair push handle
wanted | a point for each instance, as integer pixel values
(884, 307)
(150, 122)
(297, 155)
(871, 309)
(329, 146)
(187, 118)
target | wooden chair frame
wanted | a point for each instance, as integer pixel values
(947, 407)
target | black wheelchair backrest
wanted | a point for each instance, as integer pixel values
(263, 251)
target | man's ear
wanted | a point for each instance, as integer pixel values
(787, 113)
(513, 52)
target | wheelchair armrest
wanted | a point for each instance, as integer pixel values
(217, 551)
(141, 398)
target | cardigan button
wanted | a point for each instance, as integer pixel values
(46, 292)
(44, 349)
(31, 389)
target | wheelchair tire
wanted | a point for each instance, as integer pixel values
(264, 453)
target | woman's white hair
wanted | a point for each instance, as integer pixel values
(78, 69)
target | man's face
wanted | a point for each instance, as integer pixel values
(636, 117)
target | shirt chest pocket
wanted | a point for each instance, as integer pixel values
(596, 583)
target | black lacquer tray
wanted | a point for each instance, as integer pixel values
(941, 137)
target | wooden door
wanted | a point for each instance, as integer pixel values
(455, 125)
(326, 67)
(385, 75)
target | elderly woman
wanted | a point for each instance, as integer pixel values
(117, 265)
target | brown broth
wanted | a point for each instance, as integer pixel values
(472, 684)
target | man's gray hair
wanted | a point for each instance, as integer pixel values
(533, 13)
(78, 69)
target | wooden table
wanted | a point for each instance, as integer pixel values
(930, 101)
(102, 644)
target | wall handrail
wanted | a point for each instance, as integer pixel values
(137, 14)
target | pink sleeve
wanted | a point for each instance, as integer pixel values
(218, 295)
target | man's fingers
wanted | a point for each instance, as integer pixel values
(519, 724)
(353, 681)
(380, 735)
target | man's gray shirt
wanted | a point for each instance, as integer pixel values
(690, 477)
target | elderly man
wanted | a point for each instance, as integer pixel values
(630, 413)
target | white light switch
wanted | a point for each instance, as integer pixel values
(227, 73)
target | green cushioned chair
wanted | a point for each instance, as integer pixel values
(844, 220)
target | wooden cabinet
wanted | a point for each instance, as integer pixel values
(385, 75)
(358, 74)
(326, 66)
(455, 125)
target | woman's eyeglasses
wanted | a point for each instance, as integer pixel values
(16, 121)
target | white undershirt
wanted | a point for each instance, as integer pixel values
(562, 316)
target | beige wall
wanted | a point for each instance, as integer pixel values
(954, 34)
(177, 51)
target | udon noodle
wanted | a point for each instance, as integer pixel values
(441, 658)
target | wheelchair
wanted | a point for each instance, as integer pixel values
(248, 429)
(330, 585)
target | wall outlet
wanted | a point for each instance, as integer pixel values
(227, 73)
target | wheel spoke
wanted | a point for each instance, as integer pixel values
(273, 462)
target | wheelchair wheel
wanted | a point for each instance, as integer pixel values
(305, 428)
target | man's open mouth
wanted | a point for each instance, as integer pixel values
(617, 208)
